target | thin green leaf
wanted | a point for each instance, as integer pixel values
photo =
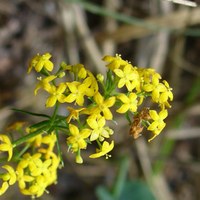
(121, 178)
(136, 190)
(19, 154)
(31, 113)
(194, 92)
(40, 124)
(61, 127)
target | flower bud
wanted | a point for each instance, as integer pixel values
(100, 78)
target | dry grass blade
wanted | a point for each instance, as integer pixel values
(177, 20)
(182, 134)
(89, 43)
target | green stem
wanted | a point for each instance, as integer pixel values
(54, 114)
(58, 148)
(99, 144)
(22, 152)
(29, 136)
(128, 118)
(166, 149)
(47, 127)
(111, 84)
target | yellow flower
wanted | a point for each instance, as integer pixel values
(167, 94)
(100, 78)
(56, 94)
(128, 76)
(73, 113)
(8, 178)
(23, 177)
(44, 83)
(156, 89)
(41, 168)
(77, 138)
(37, 188)
(49, 140)
(79, 90)
(29, 160)
(41, 61)
(6, 145)
(158, 124)
(54, 165)
(79, 159)
(94, 84)
(148, 75)
(35, 173)
(103, 106)
(79, 70)
(65, 66)
(17, 126)
(105, 148)
(114, 62)
(99, 131)
(129, 102)
(160, 92)
(37, 140)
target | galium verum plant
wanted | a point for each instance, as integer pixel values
(90, 102)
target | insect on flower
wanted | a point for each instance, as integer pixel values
(137, 124)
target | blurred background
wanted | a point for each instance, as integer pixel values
(149, 33)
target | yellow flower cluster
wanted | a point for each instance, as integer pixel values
(35, 170)
(78, 91)
(6, 145)
(38, 170)
(94, 97)
(141, 83)
(90, 103)
(9, 177)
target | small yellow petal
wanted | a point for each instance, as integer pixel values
(124, 108)
(51, 101)
(3, 188)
